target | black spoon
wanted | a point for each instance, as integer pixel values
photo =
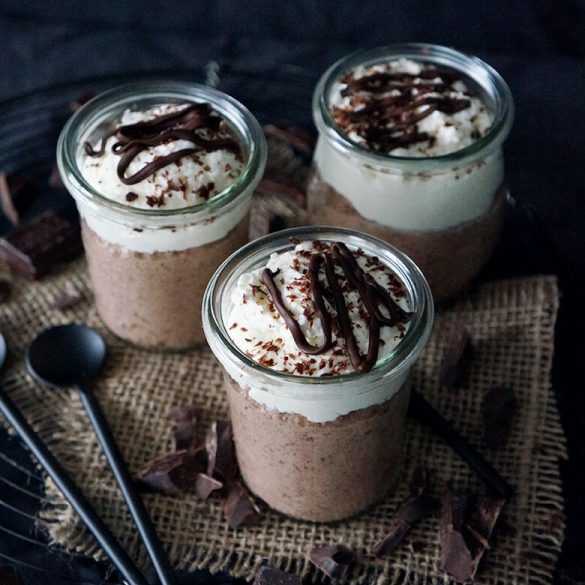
(73, 355)
(67, 487)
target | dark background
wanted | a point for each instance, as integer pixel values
(539, 48)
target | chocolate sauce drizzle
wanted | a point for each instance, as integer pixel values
(189, 123)
(386, 122)
(370, 292)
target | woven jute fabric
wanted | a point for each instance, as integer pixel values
(512, 325)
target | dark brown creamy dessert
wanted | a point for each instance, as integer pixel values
(409, 150)
(319, 428)
(162, 202)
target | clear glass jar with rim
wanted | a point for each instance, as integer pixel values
(149, 267)
(446, 212)
(317, 448)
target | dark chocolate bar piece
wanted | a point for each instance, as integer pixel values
(36, 247)
(335, 560)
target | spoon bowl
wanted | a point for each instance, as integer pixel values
(67, 355)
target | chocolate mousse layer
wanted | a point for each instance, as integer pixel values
(154, 299)
(449, 258)
(329, 471)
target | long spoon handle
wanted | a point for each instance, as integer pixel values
(71, 492)
(135, 505)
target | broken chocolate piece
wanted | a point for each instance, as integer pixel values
(80, 100)
(17, 192)
(184, 436)
(67, 298)
(414, 509)
(205, 485)
(5, 282)
(299, 139)
(182, 414)
(171, 474)
(456, 364)
(334, 560)
(34, 248)
(270, 576)
(467, 522)
(239, 508)
(55, 181)
(10, 576)
(221, 453)
(498, 410)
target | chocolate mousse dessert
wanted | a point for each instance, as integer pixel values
(409, 151)
(317, 338)
(163, 188)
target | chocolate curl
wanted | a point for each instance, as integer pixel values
(456, 364)
(335, 560)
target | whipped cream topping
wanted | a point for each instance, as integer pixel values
(190, 180)
(408, 108)
(259, 330)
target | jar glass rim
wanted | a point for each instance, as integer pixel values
(395, 362)
(84, 120)
(471, 67)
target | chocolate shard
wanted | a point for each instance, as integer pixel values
(415, 508)
(55, 181)
(270, 576)
(221, 453)
(80, 100)
(35, 248)
(205, 485)
(5, 282)
(67, 298)
(456, 364)
(239, 508)
(334, 560)
(466, 524)
(300, 139)
(171, 474)
(498, 409)
(17, 192)
(184, 436)
(10, 576)
(182, 414)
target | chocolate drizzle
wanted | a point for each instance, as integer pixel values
(387, 106)
(371, 295)
(193, 123)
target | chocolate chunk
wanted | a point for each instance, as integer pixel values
(466, 524)
(34, 248)
(498, 410)
(334, 560)
(16, 194)
(287, 191)
(5, 282)
(456, 364)
(414, 509)
(205, 485)
(221, 453)
(9, 576)
(67, 298)
(80, 100)
(182, 414)
(131, 196)
(184, 436)
(171, 474)
(239, 508)
(299, 139)
(55, 181)
(270, 576)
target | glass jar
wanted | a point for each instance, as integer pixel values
(446, 212)
(149, 267)
(317, 448)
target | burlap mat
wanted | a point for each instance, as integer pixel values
(512, 324)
